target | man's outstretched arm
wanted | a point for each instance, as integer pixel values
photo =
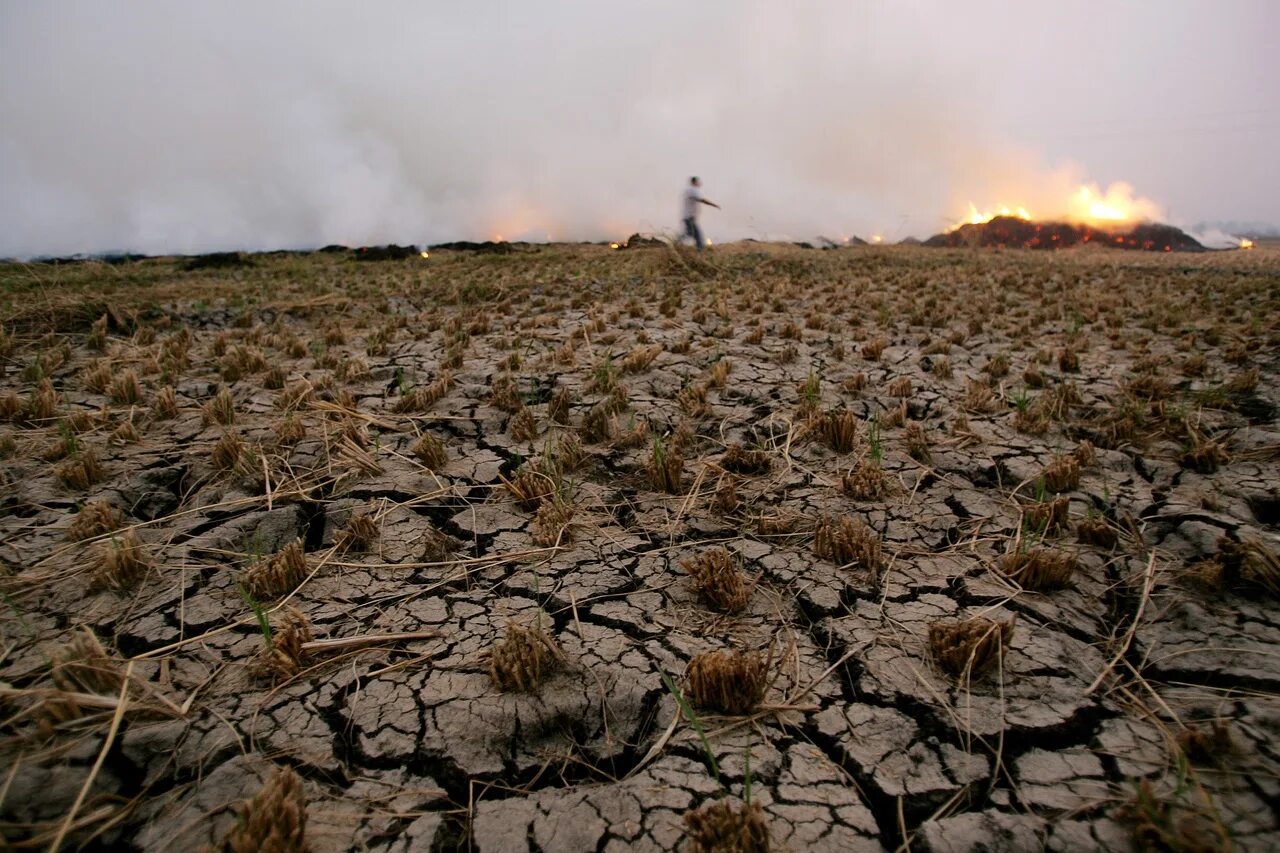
(712, 203)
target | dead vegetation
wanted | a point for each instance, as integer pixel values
(718, 580)
(274, 820)
(729, 682)
(270, 578)
(726, 827)
(967, 649)
(523, 658)
(849, 542)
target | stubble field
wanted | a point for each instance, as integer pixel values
(572, 549)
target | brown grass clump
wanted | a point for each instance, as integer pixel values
(726, 500)
(1159, 825)
(360, 532)
(838, 430)
(289, 430)
(559, 405)
(873, 349)
(164, 405)
(666, 467)
(1039, 569)
(276, 576)
(125, 389)
(1086, 454)
(82, 665)
(294, 396)
(978, 397)
(523, 426)
(1094, 530)
(1068, 361)
(430, 451)
(917, 442)
(274, 821)
(126, 433)
(81, 471)
(226, 452)
(722, 827)
(718, 580)
(504, 394)
(1203, 455)
(221, 409)
(1062, 474)
(779, 523)
(900, 387)
(966, 649)
(728, 682)
(523, 658)
(864, 482)
(528, 488)
(739, 460)
(640, 358)
(121, 563)
(97, 378)
(1249, 564)
(94, 519)
(282, 660)
(848, 542)
(553, 525)
(1047, 516)
(41, 405)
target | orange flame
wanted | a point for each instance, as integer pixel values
(1088, 205)
(1246, 243)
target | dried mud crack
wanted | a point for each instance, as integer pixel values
(980, 549)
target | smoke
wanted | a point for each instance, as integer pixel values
(166, 127)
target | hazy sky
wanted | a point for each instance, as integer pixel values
(181, 127)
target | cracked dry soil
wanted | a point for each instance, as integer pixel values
(281, 514)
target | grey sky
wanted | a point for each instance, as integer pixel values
(183, 127)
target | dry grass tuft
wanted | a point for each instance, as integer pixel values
(283, 659)
(125, 389)
(523, 426)
(848, 542)
(559, 406)
(719, 581)
(528, 488)
(864, 482)
(1047, 517)
(289, 430)
(1159, 825)
(917, 442)
(504, 394)
(739, 460)
(221, 409)
(900, 387)
(1094, 530)
(838, 430)
(728, 682)
(640, 358)
(1039, 569)
(226, 452)
(360, 532)
(276, 576)
(81, 665)
(1249, 564)
(553, 525)
(81, 471)
(1203, 455)
(164, 405)
(666, 467)
(722, 827)
(274, 821)
(121, 563)
(873, 349)
(430, 451)
(1062, 474)
(94, 519)
(523, 658)
(966, 649)
(779, 523)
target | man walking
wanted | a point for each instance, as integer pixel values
(693, 198)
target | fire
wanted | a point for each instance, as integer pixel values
(424, 254)
(614, 246)
(1246, 243)
(877, 238)
(1088, 205)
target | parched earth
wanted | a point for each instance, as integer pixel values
(203, 648)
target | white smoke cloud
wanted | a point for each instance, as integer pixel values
(165, 127)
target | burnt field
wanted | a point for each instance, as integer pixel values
(572, 549)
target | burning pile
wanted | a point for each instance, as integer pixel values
(1016, 232)
(1113, 218)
